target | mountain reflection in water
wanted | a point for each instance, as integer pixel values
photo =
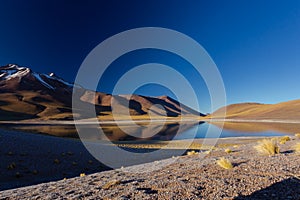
(161, 132)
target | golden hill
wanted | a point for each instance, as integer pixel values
(282, 111)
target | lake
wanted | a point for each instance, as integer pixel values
(164, 132)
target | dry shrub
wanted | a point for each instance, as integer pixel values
(189, 153)
(110, 184)
(267, 147)
(56, 161)
(11, 166)
(224, 163)
(284, 139)
(228, 151)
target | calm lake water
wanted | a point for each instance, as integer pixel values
(163, 132)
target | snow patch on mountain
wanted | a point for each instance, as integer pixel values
(50, 81)
(13, 71)
(58, 79)
(36, 75)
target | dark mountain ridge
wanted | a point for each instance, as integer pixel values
(25, 94)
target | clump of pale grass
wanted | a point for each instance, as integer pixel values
(297, 148)
(224, 163)
(11, 166)
(297, 135)
(228, 150)
(284, 139)
(110, 184)
(267, 147)
(189, 153)
(56, 161)
(207, 152)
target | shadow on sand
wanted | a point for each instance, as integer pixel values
(286, 189)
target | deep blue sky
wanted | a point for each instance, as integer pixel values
(255, 44)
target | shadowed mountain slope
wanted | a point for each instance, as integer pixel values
(25, 94)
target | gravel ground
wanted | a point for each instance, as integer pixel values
(29, 159)
(253, 176)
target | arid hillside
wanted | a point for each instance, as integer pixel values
(25, 94)
(282, 111)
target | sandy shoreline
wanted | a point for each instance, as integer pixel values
(28, 159)
(41, 158)
(254, 176)
(255, 121)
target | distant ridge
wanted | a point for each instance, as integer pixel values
(289, 110)
(25, 94)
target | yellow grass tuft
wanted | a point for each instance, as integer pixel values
(11, 166)
(56, 161)
(297, 148)
(224, 163)
(284, 139)
(82, 175)
(228, 150)
(189, 153)
(267, 147)
(207, 152)
(297, 135)
(110, 184)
